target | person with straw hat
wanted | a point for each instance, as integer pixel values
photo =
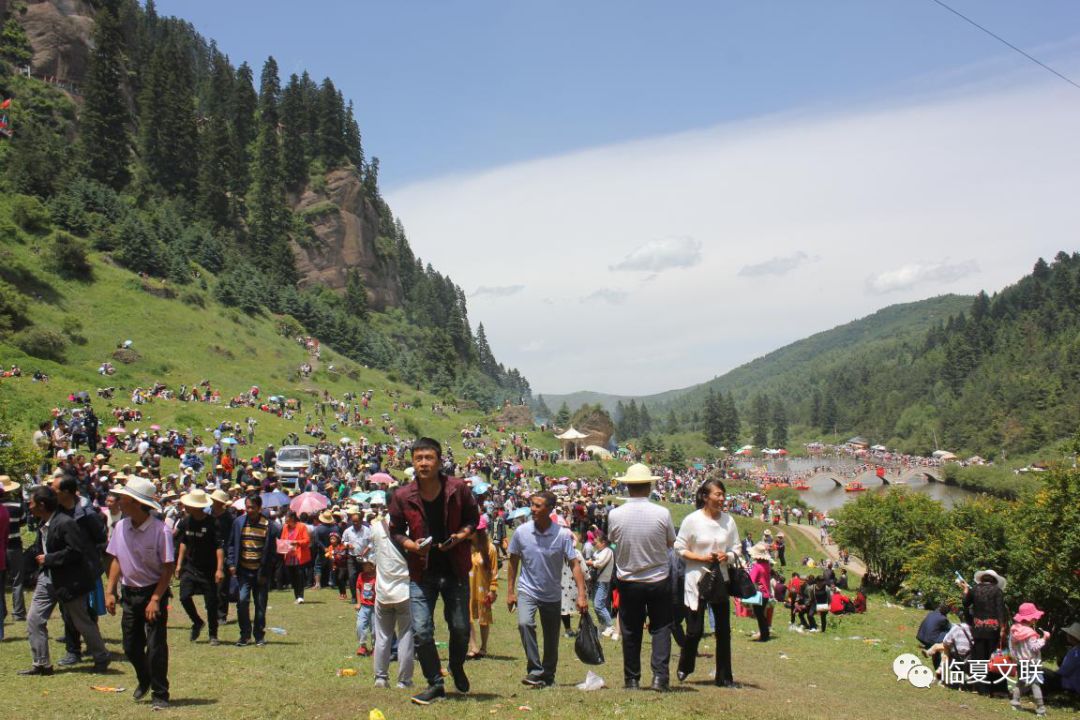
(12, 502)
(200, 561)
(643, 534)
(984, 606)
(1067, 677)
(143, 567)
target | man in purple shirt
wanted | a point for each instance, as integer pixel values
(143, 564)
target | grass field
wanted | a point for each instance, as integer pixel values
(845, 672)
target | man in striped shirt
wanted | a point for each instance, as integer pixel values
(643, 534)
(11, 496)
(251, 555)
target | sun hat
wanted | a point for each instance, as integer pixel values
(197, 499)
(1073, 630)
(141, 490)
(7, 484)
(257, 475)
(760, 552)
(990, 573)
(326, 517)
(221, 496)
(1027, 611)
(637, 474)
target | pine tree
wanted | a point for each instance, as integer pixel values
(562, 418)
(217, 161)
(829, 415)
(242, 107)
(484, 356)
(354, 150)
(671, 424)
(732, 423)
(356, 300)
(714, 425)
(268, 213)
(644, 420)
(779, 425)
(815, 408)
(105, 141)
(168, 138)
(330, 137)
(294, 141)
(542, 409)
(759, 421)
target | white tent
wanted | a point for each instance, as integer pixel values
(944, 455)
(602, 453)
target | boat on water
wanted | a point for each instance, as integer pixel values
(854, 486)
(801, 486)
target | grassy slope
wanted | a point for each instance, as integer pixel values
(805, 676)
(183, 343)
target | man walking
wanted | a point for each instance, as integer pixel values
(67, 560)
(91, 522)
(432, 518)
(540, 548)
(200, 562)
(393, 610)
(251, 555)
(223, 520)
(12, 559)
(143, 563)
(643, 533)
(357, 538)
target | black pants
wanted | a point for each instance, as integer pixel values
(297, 578)
(638, 601)
(762, 621)
(354, 572)
(695, 629)
(15, 577)
(146, 644)
(981, 649)
(192, 583)
(223, 600)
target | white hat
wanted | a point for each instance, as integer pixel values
(990, 573)
(637, 474)
(197, 499)
(7, 484)
(141, 490)
(221, 496)
(760, 552)
(1073, 630)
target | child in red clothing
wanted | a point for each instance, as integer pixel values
(365, 609)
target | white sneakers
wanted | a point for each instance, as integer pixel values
(299, 601)
(608, 631)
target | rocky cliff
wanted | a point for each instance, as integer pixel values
(59, 32)
(344, 235)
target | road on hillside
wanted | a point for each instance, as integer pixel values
(855, 565)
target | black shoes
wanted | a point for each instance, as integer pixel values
(101, 666)
(140, 693)
(430, 695)
(69, 660)
(660, 685)
(242, 642)
(461, 680)
(681, 675)
(632, 685)
(196, 630)
(159, 704)
(37, 670)
(533, 681)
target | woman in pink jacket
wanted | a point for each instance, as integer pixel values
(760, 574)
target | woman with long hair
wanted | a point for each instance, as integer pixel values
(707, 535)
(483, 588)
(298, 554)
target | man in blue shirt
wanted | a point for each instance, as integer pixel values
(539, 548)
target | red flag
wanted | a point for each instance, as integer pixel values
(6, 104)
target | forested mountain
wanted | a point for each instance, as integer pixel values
(151, 148)
(989, 375)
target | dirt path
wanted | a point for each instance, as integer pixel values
(855, 565)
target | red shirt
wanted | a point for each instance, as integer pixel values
(365, 584)
(407, 520)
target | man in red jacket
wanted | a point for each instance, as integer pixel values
(432, 519)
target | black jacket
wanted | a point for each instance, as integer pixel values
(70, 557)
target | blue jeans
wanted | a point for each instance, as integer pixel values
(600, 603)
(424, 595)
(364, 626)
(251, 589)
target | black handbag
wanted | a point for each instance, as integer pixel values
(739, 583)
(587, 645)
(711, 587)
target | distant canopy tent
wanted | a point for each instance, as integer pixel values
(944, 455)
(571, 442)
(597, 451)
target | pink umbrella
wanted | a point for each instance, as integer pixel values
(308, 502)
(381, 479)
(155, 427)
(117, 430)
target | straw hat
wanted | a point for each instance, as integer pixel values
(257, 475)
(141, 490)
(221, 496)
(326, 518)
(1072, 631)
(197, 499)
(760, 552)
(990, 573)
(1027, 611)
(7, 484)
(637, 474)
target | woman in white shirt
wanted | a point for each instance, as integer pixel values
(603, 563)
(708, 534)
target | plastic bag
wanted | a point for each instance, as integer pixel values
(587, 645)
(592, 682)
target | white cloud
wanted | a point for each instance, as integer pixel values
(607, 295)
(663, 254)
(498, 290)
(915, 274)
(988, 173)
(777, 265)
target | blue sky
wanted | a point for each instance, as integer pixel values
(637, 198)
(445, 87)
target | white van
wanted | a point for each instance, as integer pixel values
(291, 461)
